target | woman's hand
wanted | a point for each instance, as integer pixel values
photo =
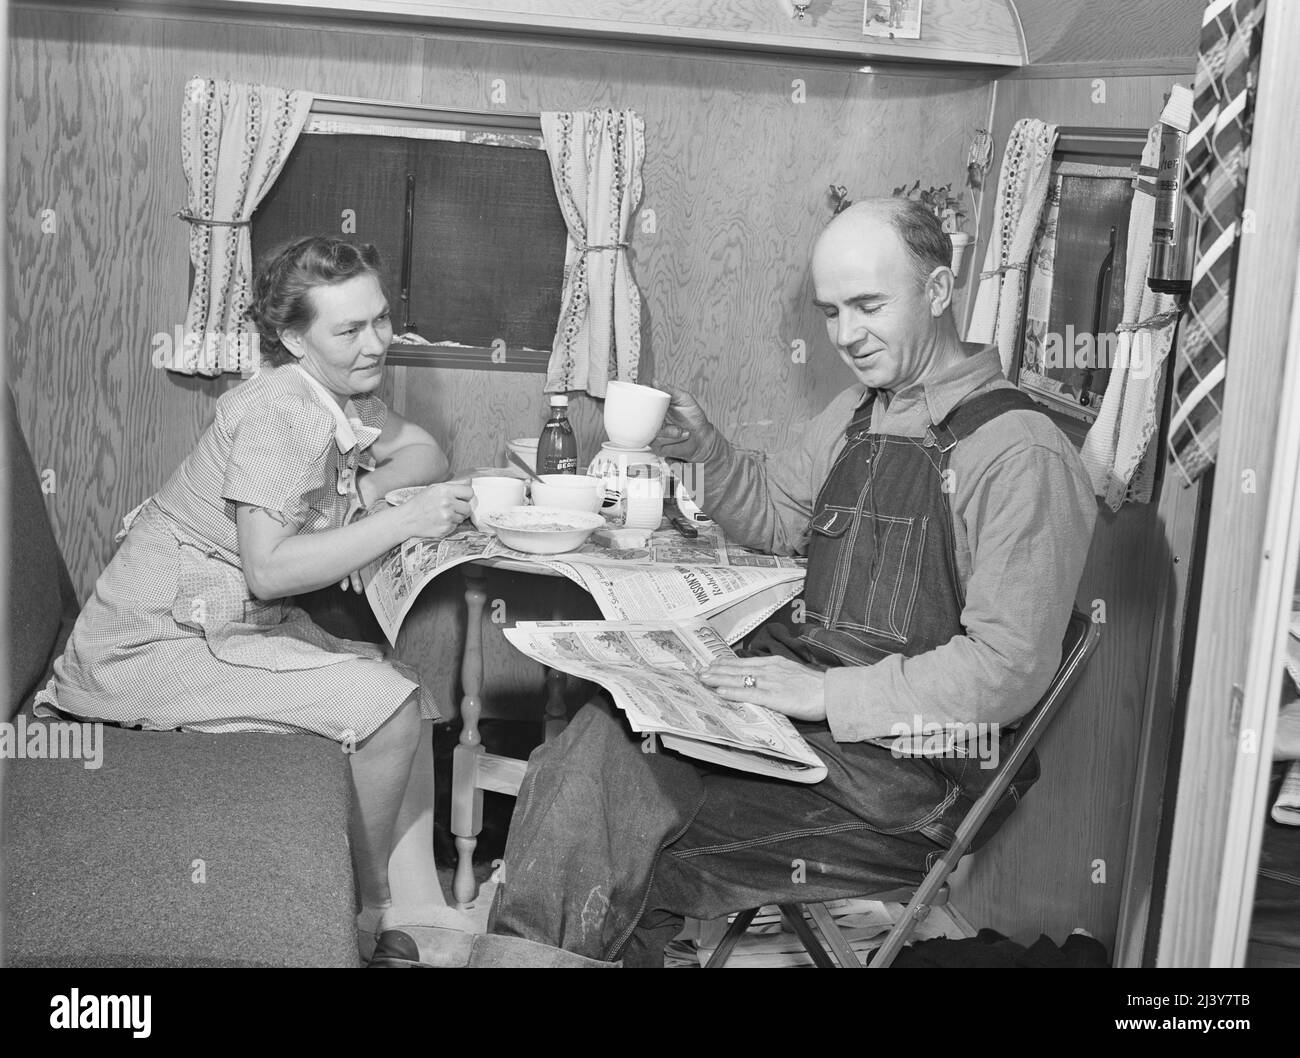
(780, 684)
(438, 510)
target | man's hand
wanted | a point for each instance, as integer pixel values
(780, 684)
(686, 433)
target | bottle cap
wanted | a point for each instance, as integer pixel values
(559, 400)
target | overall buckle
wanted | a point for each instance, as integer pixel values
(939, 437)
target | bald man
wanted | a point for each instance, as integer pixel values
(946, 521)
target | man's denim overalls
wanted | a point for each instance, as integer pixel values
(607, 841)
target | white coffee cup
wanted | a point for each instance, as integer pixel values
(494, 494)
(570, 492)
(633, 413)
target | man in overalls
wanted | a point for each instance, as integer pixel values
(946, 523)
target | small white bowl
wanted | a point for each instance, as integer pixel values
(543, 530)
(569, 492)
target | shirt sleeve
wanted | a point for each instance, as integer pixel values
(765, 502)
(279, 453)
(1029, 521)
(372, 411)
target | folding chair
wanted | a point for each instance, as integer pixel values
(1081, 638)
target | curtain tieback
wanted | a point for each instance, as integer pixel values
(191, 219)
(1010, 266)
(614, 246)
(1155, 322)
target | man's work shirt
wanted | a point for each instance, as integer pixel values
(1023, 513)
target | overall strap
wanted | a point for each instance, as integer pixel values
(970, 415)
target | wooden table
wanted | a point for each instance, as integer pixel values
(474, 770)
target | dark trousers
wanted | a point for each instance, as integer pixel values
(610, 847)
(751, 845)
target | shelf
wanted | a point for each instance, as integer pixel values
(954, 32)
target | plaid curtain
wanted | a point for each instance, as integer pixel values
(1218, 154)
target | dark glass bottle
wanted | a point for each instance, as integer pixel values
(557, 448)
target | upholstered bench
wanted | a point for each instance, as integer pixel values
(179, 849)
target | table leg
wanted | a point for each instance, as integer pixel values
(466, 797)
(556, 716)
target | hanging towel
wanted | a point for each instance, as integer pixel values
(1022, 193)
(1218, 157)
(1120, 438)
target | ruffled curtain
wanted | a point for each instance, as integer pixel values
(596, 167)
(1118, 451)
(235, 139)
(1022, 193)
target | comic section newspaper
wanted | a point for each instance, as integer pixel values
(672, 577)
(651, 671)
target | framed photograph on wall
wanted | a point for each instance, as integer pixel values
(892, 18)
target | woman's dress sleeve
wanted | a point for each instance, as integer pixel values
(279, 454)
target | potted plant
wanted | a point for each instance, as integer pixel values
(947, 208)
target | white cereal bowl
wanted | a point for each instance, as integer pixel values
(543, 530)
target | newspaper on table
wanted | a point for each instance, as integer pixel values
(650, 669)
(394, 581)
(672, 577)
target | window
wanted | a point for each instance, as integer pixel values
(1075, 297)
(471, 235)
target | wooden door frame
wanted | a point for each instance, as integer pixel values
(1250, 545)
(1247, 803)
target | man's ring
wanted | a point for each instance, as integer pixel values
(749, 681)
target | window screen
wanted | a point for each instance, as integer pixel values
(487, 257)
(486, 239)
(332, 184)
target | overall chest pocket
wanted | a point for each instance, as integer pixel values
(864, 570)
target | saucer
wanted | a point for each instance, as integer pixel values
(397, 497)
